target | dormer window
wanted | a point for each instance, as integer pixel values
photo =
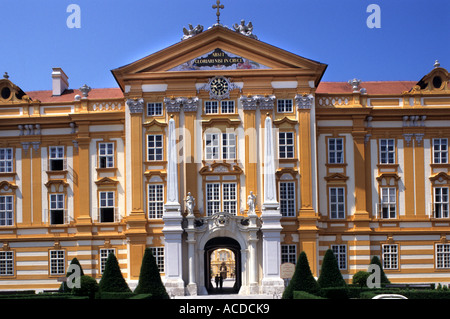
(5, 93)
(437, 82)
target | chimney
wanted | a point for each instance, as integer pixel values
(59, 81)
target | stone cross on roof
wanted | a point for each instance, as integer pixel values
(218, 7)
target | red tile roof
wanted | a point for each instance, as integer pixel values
(373, 87)
(69, 95)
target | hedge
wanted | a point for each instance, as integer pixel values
(334, 293)
(304, 295)
(43, 296)
(116, 295)
(142, 296)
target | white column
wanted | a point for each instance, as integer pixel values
(192, 285)
(271, 216)
(252, 254)
(172, 219)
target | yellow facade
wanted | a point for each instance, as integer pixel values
(363, 170)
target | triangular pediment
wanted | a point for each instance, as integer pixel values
(232, 51)
(219, 59)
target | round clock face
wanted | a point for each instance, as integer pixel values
(219, 86)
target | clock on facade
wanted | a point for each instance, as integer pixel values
(219, 88)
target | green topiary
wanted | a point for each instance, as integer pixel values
(150, 279)
(383, 280)
(330, 275)
(64, 287)
(112, 278)
(360, 278)
(88, 287)
(302, 280)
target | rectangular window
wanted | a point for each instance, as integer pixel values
(387, 151)
(212, 198)
(57, 216)
(106, 155)
(286, 145)
(6, 160)
(212, 146)
(443, 256)
(337, 202)
(107, 209)
(154, 147)
(211, 107)
(57, 262)
(441, 202)
(154, 109)
(335, 150)
(158, 253)
(440, 151)
(227, 107)
(390, 256)
(289, 254)
(228, 146)
(340, 252)
(56, 158)
(229, 198)
(388, 202)
(6, 210)
(6, 263)
(104, 253)
(284, 106)
(155, 200)
(287, 199)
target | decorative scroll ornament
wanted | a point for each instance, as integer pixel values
(246, 30)
(221, 219)
(135, 105)
(264, 102)
(304, 101)
(189, 33)
(175, 104)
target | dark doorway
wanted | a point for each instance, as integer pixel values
(232, 246)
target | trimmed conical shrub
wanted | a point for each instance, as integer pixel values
(150, 279)
(330, 275)
(375, 260)
(112, 279)
(302, 280)
(64, 287)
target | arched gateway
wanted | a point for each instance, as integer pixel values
(235, 248)
(222, 230)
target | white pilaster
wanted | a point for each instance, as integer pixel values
(172, 219)
(271, 216)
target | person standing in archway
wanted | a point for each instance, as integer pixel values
(217, 281)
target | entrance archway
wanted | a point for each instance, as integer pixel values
(231, 245)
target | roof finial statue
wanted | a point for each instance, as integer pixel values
(218, 7)
(437, 64)
(189, 33)
(246, 30)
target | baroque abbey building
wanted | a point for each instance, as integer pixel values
(222, 141)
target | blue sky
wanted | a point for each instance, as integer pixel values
(35, 37)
